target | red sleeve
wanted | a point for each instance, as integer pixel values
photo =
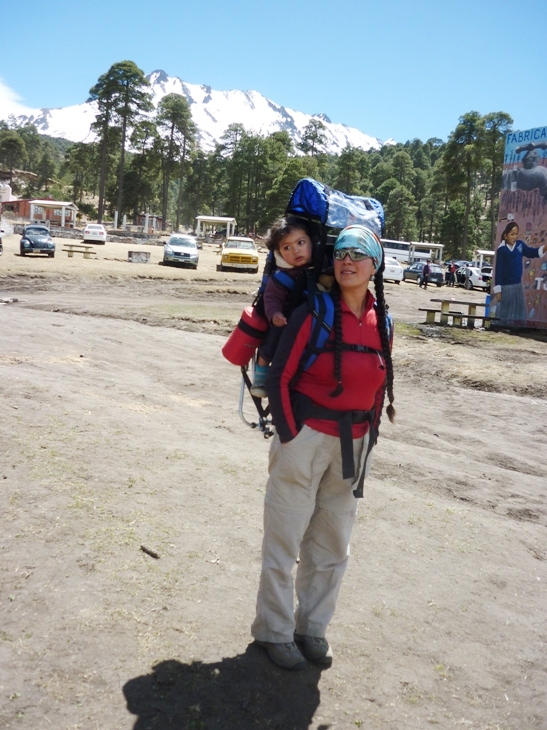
(284, 367)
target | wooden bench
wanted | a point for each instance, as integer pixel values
(431, 314)
(72, 248)
(485, 321)
(470, 316)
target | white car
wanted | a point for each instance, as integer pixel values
(393, 270)
(476, 277)
(181, 249)
(94, 232)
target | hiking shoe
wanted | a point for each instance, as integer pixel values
(316, 649)
(287, 656)
(258, 391)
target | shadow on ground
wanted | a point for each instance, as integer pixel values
(245, 691)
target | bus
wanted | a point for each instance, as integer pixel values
(411, 251)
(399, 250)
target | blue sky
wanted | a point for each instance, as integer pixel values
(392, 68)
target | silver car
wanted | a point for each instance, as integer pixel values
(181, 249)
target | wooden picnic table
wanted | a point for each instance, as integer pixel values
(83, 248)
(470, 315)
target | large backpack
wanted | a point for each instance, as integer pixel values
(321, 204)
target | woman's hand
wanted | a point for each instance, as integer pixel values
(279, 320)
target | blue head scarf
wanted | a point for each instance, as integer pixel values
(363, 238)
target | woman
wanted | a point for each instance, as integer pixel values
(508, 293)
(327, 420)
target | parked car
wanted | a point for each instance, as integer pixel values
(36, 239)
(476, 277)
(393, 270)
(239, 253)
(95, 232)
(181, 249)
(414, 273)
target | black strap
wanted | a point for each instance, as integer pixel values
(372, 438)
(304, 407)
(346, 445)
(262, 412)
(329, 346)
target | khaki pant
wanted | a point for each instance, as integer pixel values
(309, 512)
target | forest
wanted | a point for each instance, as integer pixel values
(149, 160)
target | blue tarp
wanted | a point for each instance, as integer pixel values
(335, 209)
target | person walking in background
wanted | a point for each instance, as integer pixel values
(327, 419)
(425, 274)
(452, 273)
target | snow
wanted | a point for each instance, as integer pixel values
(212, 111)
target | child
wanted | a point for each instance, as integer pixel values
(291, 243)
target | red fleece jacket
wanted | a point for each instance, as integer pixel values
(363, 374)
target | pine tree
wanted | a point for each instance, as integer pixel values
(121, 95)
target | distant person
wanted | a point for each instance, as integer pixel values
(291, 243)
(508, 295)
(467, 275)
(452, 271)
(426, 271)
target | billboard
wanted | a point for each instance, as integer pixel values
(519, 284)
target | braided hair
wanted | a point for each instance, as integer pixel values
(381, 317)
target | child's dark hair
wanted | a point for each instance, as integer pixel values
(508, 228)
(283, 227)
(381, 315)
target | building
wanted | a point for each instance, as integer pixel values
(54, 212)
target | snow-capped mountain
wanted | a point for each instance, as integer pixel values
(212, 111)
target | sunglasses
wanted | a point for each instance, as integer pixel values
(355, 254)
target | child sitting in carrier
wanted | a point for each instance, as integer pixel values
(291, 243)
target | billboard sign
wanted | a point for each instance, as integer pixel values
(519, 284)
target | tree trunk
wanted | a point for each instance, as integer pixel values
(166, 179)
(467, 213)
(492, 208)
(102, 174)
(181, 180)
(121, 170)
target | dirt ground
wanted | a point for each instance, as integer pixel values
(120, 429)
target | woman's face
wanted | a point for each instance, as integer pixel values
(512, 236)
(351, 275)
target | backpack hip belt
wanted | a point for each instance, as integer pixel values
(304, 407)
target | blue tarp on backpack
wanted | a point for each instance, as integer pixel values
(335, 209)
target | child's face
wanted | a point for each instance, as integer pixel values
(512, 236)
(295, 248)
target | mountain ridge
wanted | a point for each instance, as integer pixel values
(212, 111)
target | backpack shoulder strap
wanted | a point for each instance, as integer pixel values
(322, 323)
(285, 280)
